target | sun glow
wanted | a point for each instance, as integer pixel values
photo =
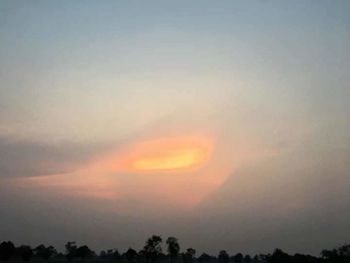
(176, 159)
(169, 154)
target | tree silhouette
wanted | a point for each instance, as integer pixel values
(189, 255)
(84, 252)
(238, 258)
(204, 258)
(329, 254)
(173, 248)
(247, 259)
(344, 251)
(131, 255)
(71, 249)
(112, 254)
(25, 253)
(152, 248)
(299, 258)
(45, 252)
(7, 250)
(341, 254)
(279, 256)
(223, 257)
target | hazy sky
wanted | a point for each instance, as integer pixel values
(224, 123)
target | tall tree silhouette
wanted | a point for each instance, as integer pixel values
(173, 248)
(152, 248)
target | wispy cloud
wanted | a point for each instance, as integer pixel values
(21, 158)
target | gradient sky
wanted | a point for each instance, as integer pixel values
(224, 123)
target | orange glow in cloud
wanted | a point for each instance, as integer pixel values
(173, 159)
(162, 170)
(168, 154)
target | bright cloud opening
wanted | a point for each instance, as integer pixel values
(169, 154)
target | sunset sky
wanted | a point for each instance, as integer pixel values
(223, 123)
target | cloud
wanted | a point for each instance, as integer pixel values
(303, 194)
(19, 158)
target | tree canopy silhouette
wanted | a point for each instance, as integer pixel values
(223, 257)
(7, 250)
(131, 255)
(238, 258)
(25, 253)
(189, 255)
(44, 252)
(152, 251)
(152, 248)
(173, 248)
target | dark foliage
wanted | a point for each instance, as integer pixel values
(45, 252)
(152, 248)
(173, 248)
(205, 258)
(131, 255)
(82, 252)
(189, 255)
(223, 257)
(341, 254)
(110, 254)
(238, 258)
(7, 250)
(152, 251)
(25, 253)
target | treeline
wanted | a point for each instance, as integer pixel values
(152, 252)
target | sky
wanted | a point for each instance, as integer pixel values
(223, 123)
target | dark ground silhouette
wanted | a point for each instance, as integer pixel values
(152, 252)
